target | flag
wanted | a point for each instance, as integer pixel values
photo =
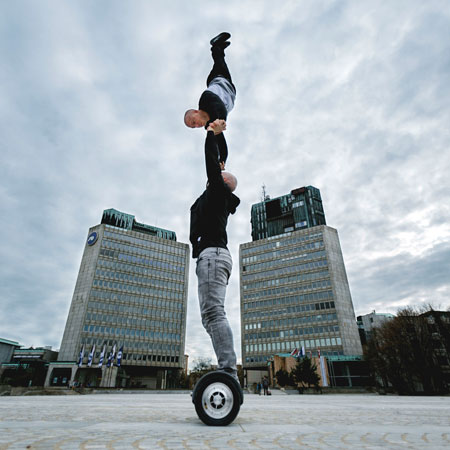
(303, 351)
(119, 356)
(111, 356)
(80, 359)
(323, 372)
(102, 356)
(91, 356)
(294, 352)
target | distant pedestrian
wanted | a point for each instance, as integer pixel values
(265, 384)
(258, 388)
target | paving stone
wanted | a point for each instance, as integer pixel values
(169, 421)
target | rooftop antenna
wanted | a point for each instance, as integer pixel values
(264, 193)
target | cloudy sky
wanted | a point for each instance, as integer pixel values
(349, 96)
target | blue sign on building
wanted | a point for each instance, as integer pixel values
(92, 239)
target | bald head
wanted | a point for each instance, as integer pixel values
(230, 180)
(194, 118)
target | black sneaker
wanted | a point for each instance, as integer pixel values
(222, 37)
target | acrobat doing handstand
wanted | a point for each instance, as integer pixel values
(218, 98)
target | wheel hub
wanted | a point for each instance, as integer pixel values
(217, 400)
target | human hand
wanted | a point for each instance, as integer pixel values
(217, 126)
(222, 165)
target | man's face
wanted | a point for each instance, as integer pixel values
(193, 119)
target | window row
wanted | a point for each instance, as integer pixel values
(160, 247)
(285, 260)
(140, 260)
(115, 307)
(131, 332)
(289, 310)
(131, 345)
(139, 269)
(322, 295)
(291, 332)
(139, 290)
(150, 358)
(272, 244)
(155, 282)
(138, 321)
(289, 290)
(142, 251)
(265, 358)
(285, 270)
(299, 277)
(279, 253)
(289, 346)
(292, 321)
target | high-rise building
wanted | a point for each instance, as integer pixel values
(294, 287)
(130, 296)
(300, 209)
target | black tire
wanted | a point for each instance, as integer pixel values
(217, 398)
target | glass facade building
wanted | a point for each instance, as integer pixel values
(300, 209)
(131, 293)
(294, 287)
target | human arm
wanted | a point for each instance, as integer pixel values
(223, 149)
(213, 169)
(218, 126)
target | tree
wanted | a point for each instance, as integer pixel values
(402, 354)
(201, 367)
(176, 378)
(283, 378)
(305, 372)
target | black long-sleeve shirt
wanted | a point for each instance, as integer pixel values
(214, 106)
(209, 213)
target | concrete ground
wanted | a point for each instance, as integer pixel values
(168, 420)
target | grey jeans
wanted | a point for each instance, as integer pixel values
(213, 271)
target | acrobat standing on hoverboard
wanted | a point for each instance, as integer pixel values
(217, 396)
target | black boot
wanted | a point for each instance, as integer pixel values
(222, 37)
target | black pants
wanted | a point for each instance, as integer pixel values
(220, 68)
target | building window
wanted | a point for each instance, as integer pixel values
(301, 224)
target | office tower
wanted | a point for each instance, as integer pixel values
(300, 209)
(130, 295)
(294, 287)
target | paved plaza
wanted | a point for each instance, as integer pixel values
(168, 420)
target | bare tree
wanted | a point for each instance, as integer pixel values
(401, 353)
(201, 367)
